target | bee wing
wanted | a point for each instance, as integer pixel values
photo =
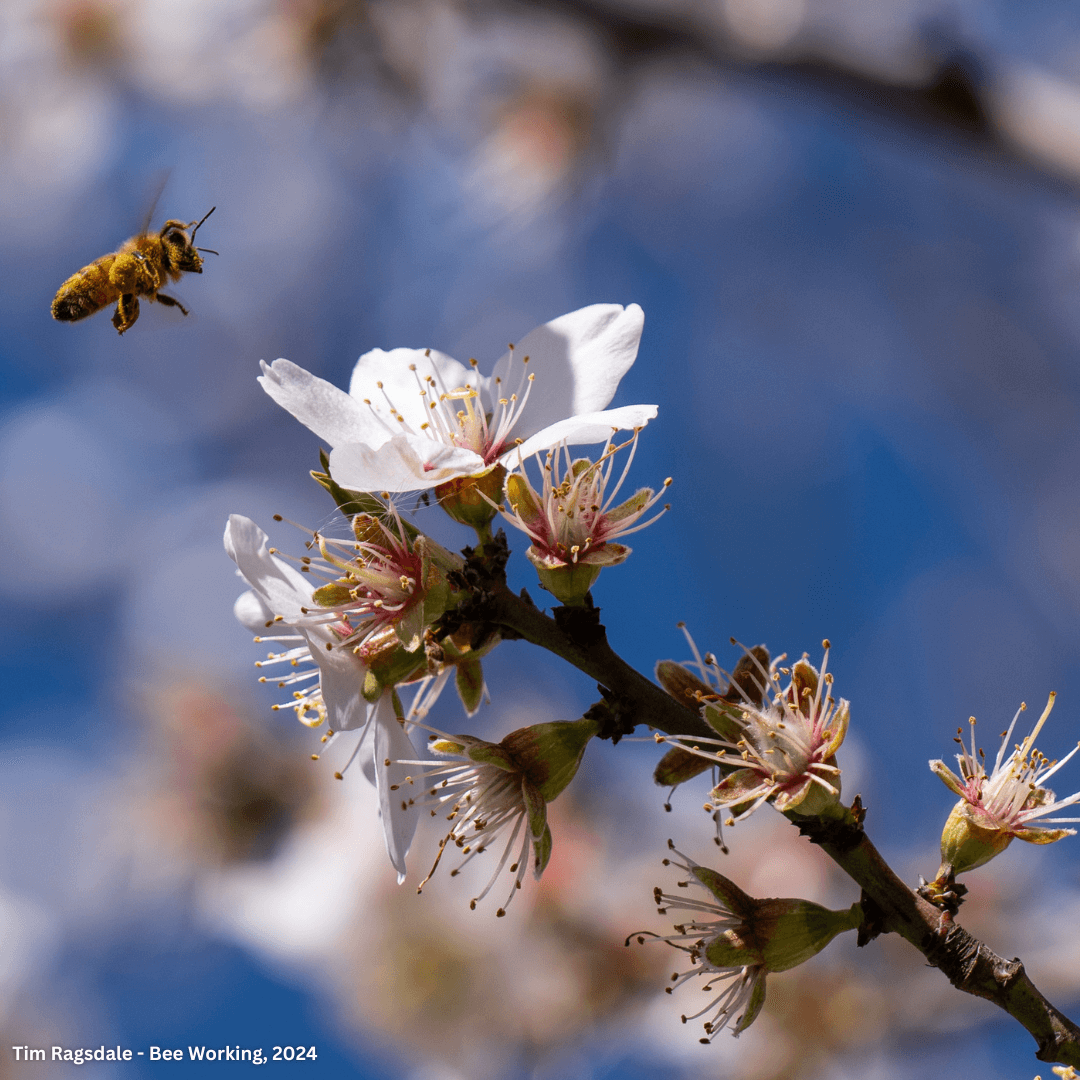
(154, 190)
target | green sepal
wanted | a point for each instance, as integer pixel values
(634, 505)
(725, 718)
(469, 680)
(747, 678)
(681, 683)
(535, 808)
(753, 1006)
(804, 685)
(737, 787)
(541, 851)
(409, 627)
(725, 890)
(485, 753)
(677, 766)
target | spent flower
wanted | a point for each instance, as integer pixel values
(383, 578)
(572, 522)
(1008, 802)
(735, 941)
(489, 789)
(782, 750)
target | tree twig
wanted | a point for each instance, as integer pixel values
(578, 637)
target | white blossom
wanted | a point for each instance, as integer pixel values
(416, 418)
(326, 680)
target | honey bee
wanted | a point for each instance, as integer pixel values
(141, 266)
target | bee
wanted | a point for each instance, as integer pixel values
(142, 266)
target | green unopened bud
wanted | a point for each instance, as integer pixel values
(463, 498)
(549, 754)
(966, 845)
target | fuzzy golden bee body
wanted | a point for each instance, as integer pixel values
(140, 267)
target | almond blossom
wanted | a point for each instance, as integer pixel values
(327, 679)
(572, 522)
(1008, 802)
(783, 751)
(416, 418)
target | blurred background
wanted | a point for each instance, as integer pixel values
(854, 226)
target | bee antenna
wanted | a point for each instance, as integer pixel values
(209, 251)
(204, 217)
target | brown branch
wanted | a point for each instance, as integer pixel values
(576, 635)
(969, 964)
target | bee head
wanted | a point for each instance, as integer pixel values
(180, 244)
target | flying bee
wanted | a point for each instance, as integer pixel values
(140, 268)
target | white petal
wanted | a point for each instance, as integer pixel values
(329, 412)
(392, 743)
(251, 612)
(581, 431)
(403, 372)
(283, 589)
(341, 675)
(405, 463)
(578, 360)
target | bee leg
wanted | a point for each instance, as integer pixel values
(170, 301)
(127, 311)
